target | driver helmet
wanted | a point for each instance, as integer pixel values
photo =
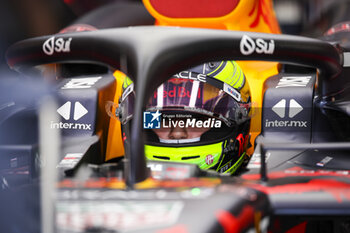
(199, 116)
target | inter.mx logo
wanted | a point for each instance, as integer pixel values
(78, 112)
(151, 120)
(280, 108)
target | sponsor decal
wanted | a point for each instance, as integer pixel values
(65, 112)
(79, 110)
(177, 173)
(57, 45)
(155, 167)
(70, 160)
(280, 109)
(81, 83)
(294, 108)
(173, 172)
(324, 161)
(61, 125)
(294, 81)
(192, 76)
(276, 123)
(151, 120)
(232, 92)
(179, 92)
(127, 91)
(116, 216)
(156, 170)
(255, 161)
(209, 159)
(225, 167)
(249, 46)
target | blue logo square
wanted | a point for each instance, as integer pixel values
(151, 120)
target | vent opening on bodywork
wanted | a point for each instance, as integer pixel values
(161, 157)
(190, 157)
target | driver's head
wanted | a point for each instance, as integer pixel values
(198, 116)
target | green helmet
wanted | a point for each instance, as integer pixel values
(199, 116)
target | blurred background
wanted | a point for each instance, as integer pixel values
(21, 19)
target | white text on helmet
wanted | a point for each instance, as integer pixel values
(192, 76)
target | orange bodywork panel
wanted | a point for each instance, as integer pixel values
(115, 146)
(257, 72)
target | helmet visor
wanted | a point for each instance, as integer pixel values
(205, 96)
(194, 96)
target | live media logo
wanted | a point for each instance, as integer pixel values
(151, 120)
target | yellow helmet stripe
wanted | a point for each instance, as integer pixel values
(229, 73)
